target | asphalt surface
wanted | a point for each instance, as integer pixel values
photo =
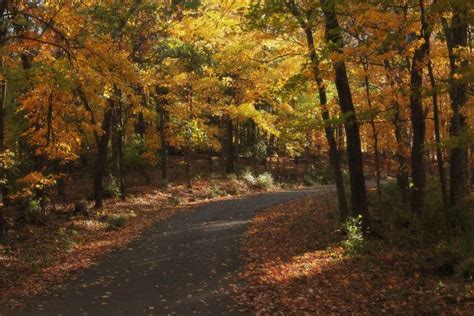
(181, 266)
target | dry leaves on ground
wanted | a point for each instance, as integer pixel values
(295, 265)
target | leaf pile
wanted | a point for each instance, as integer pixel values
(295, 265)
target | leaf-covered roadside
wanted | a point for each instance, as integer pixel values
(295, 265)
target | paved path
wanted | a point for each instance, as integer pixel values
(179, 267)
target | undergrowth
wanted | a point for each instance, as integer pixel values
(444, 238)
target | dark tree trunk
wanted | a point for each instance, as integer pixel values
(163, 144)
(237, 146)
(403, 167)
(209, 161)
(140, 126)
(189, 166)
(3, 191)
(356, 170)
(229, 142)
(3, 93)
(101, 161)
(375, 134)
(418, 119)
(456, 38)
(439, 153)
(117, 148)
(334, 158)
(403, 143)
(271, 151)
(223, 141)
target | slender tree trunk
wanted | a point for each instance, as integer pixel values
(189, 166)
(115, 140)
(456, 38)
(418, 118)
(401, 138)
(117, 148)
(3, 95)
(223, 141)
(356, 170)
(375, 133)
(403, 167)
(209, 161)
(163, 144)
(439, 153)
(140, 126)
(237, 146)
(270, 152)
(334, 157)
(101, 161)
(229, 141)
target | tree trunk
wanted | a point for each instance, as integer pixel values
(189, 166)
(356, 170)
(163, 144)
(229, 143)
(101, 161)
(439, 153)
(3, 94)
(375, 133)
(209, 161)
(140, 126)
(418, 119)
(237, 146)
(456, 38)
(334, 158)
(117, 148)
(401, 138)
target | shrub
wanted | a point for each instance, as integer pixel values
(137, 157)
(114, 222)
(355, 242)
(112, 188)
(310, 180)
(465, 268)
(34, 211)
(264, 181)
(214, 192)
(176, 200)
(233, 185)
(248, 177)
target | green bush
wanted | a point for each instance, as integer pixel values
(249, 178)
(264, 181)
(114, 222)
(449, 247)
(233, 185)
(112, 187)
(215, 192)
(34, 211)
(465, 268)
(355, 242)
(176, 200)
(136, 156)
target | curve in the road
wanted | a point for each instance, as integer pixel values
(179, 267)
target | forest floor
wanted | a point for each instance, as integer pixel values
(181, 265)
(295, 264)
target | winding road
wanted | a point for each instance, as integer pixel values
(181, 266)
